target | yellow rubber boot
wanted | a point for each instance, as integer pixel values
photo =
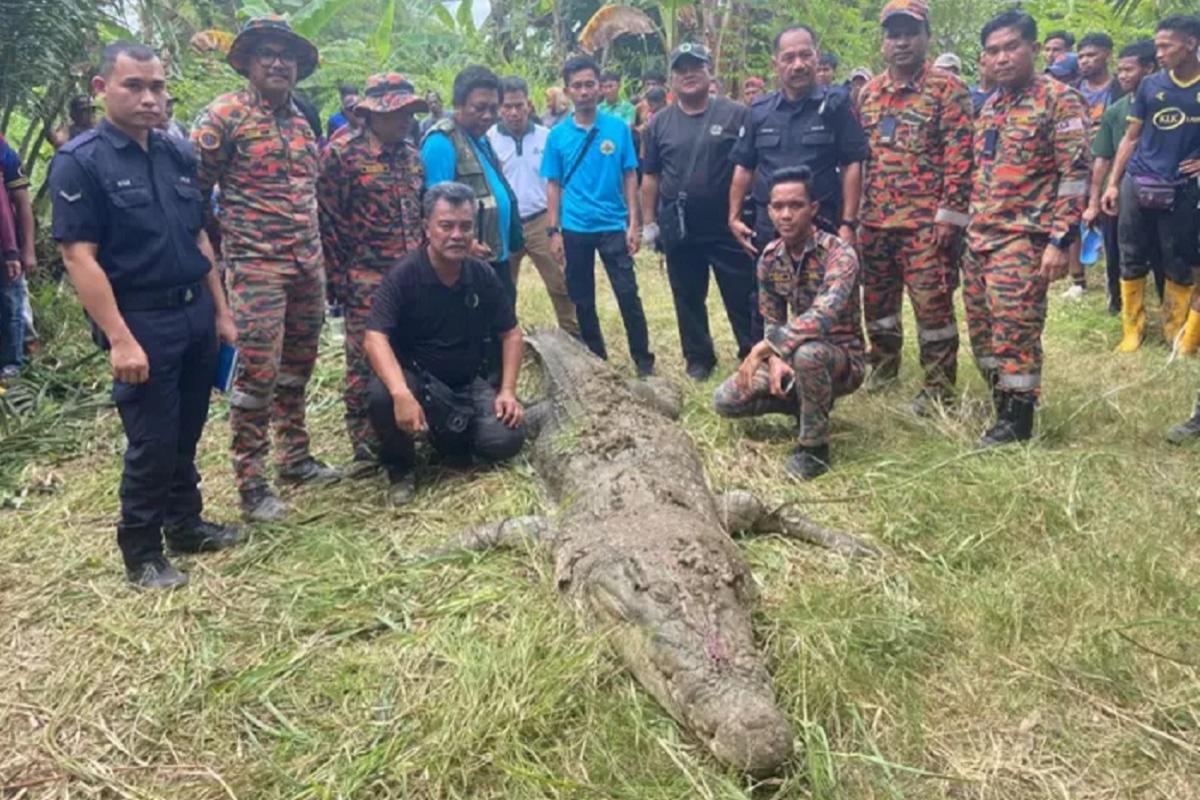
(1133, 314)
(1176, 299)
(1189, 343)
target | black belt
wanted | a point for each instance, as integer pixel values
(160, 299)
(532, 217)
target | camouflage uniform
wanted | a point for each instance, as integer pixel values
(370, 204)
(265, 162)
(821, 340)
(919, 173)
(1031, 178)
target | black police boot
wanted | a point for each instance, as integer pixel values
(700, 372)
(260, 504)
(309, 470)
(1186, 431)
(645, 368)
(1014, 422)
(993, 381)
(201, 536)
(157, 573)
(807, 463)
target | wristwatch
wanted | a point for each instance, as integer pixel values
(1063, 242)
(849, 223)
(552, 231)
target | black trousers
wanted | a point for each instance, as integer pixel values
(163, 420)
(486, 437)
(580, 250)
(1166, 238)
(1110, 227)
(688, 272)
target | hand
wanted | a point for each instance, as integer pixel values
(633, 240)
(649, 233)
(508, 410)
(481, 251)
(556, 249)
(1108, 203)
(129, 362)
(781, 374)
(29, 262)
(1089, 215)
(945, 236)
(745, 374)
(226, 330)
(848, 235)
(410, 417)
(1054, 263)
(1189, 167)
(13, 268)
(744, 235)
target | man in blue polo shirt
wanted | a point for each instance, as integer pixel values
(1157, 199)
(591, 168)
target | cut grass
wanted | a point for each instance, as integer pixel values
(1031, 634)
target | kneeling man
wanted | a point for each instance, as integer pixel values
(815, 355)
(426, 335)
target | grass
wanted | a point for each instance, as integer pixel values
(1032, 633)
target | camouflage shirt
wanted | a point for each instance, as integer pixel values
(919, 171)
(265, 162)
(821, 290)
(1031, 164)
(370, 202)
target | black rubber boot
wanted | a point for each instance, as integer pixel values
(1014, 422)
(807, 463)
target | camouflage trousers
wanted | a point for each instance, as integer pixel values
(1005, 297)
(278, 306)
(823, 372)
(361, 286)
(895, 260)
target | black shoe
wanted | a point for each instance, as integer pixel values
(201, 536)
(309, 470)
(807, 463)
(700, 372)
(402, 487)
(1114, 307)
(645, 368)
(260, 504)
(364, 465)
(1186, 431)
(1015, 421)
(157, 573)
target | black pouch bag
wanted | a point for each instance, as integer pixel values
(447, 411)
(672, 214)
(1154, 194)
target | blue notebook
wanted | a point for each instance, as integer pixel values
(227, 361)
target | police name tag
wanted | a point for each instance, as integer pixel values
(374, 169)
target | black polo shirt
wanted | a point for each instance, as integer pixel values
(440, 328)
(669, 141)
(819, 131)
(141, 207)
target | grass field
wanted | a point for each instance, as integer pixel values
(1034, 631)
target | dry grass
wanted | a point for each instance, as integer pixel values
(1032, 634)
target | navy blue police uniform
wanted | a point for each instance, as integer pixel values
(818, 131)
(142, 209)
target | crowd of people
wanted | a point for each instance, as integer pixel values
(815, 206)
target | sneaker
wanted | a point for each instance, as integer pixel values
(262, 505)
(201, 536)
(807, 463)
(700, 372)
(402, 488)
(157, 573)
(311, 471)
(1074, 292)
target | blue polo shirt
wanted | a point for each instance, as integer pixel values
(1169, 111)
(594, 200)
(440, 160)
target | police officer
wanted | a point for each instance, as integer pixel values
(260, 148)
(127, 214)
(801, 124)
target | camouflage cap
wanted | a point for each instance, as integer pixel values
(389, 91)
(914, 9)
(271, 26)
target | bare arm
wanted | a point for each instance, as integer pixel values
(409, 415)
(738, 188)
(633, 233)
(27, 225)
(512, 349)
(129, 362)
(851, 194)
(1125, 152)
(553, 205)
(650, 199)
(226, 331)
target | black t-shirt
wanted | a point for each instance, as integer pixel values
(440, 328)
(1170, 115)
(669, 140)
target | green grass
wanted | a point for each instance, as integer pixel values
(1032, 632)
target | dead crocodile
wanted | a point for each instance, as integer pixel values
(641, 546)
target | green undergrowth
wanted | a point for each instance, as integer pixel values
(1031, 633)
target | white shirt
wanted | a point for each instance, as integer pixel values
(522, 164)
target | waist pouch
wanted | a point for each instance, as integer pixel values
(672, 222)
(447, 411)
(1155, 194)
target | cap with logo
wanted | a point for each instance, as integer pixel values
(271, 26)
(389, 91)
(690, 50)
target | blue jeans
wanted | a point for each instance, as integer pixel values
(12, 320)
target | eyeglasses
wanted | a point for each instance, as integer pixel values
(266, 56)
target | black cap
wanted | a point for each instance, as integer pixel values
(81, 103)
(690, 50)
